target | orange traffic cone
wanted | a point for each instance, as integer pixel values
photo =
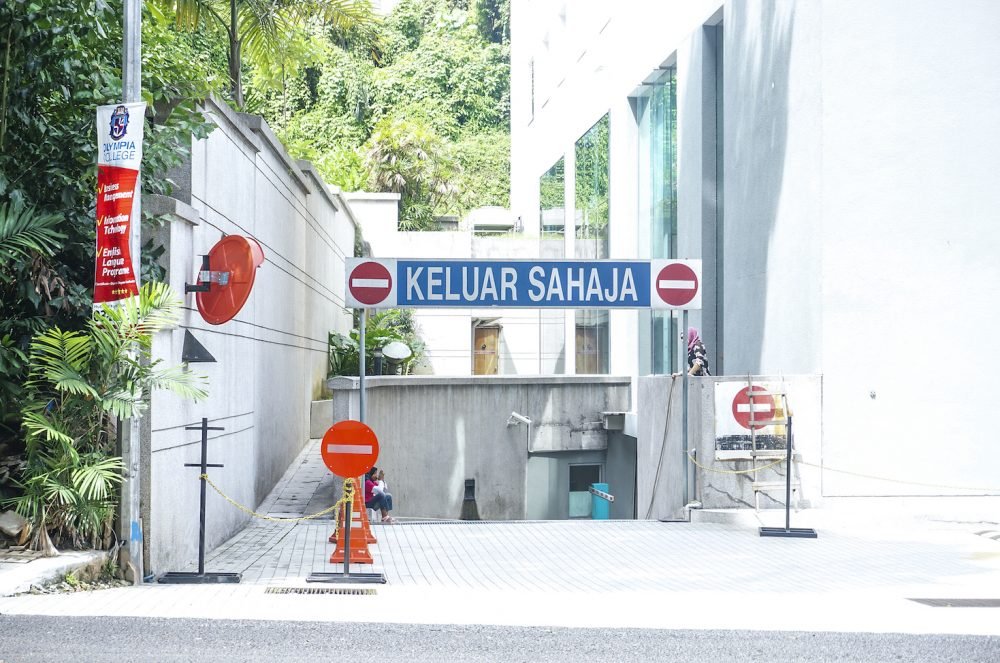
(359, 547)
(356, 517)
(369, 535)
(359, 514)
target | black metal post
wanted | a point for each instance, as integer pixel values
(788, 475)
(788, 531)
(183, 577)
(348, 508)
(346, 575)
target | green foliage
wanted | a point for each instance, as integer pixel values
(435, 97)
(484, 178)
(493, 20)
(270, 34)
(59, 59)
(382, 328)
(593, 175)
(405, 156)
(80, 384)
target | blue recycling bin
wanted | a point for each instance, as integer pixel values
(600, 508)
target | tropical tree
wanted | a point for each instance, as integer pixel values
(384, 327)
(27, 238)
(265, 30)
(80, 385)
(58, 60)
(407, 157)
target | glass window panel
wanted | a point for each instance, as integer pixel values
(581, 476)
(658, 139)
(592, 347)
(552, 244)
(593, 186)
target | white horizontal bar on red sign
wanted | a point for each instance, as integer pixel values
(761, 407)
(349, 449)
(668, 284)
(369, 283)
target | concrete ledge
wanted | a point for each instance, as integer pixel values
(18, 578)
(343, 382)
(167, 206)
(259, 126)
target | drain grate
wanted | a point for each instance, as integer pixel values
(344, 591)
(959, 603)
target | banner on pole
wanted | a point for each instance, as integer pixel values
(119, 156)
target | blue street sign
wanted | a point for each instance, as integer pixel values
(403, 283)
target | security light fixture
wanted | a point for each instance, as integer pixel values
(515, 419)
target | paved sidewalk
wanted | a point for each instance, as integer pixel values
(854, 577)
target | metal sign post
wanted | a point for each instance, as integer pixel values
(130, 506)
(349, 448)
(788, 531)
(201, 578)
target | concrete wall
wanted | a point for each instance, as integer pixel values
(660, 452)
(271, 358)
(434, 433)
(857, 203)
(910, 274)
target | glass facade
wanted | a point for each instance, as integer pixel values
(658, 139)
(552, 244)
(592, 178)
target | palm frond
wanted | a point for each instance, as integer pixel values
(122, 404)
(96, 481)
(24, 231)
(56, 347)
(38, 425)
(338, 14)
(180, 381)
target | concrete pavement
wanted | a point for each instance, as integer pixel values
(859, 575)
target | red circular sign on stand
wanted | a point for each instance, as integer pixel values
(349, 448)
(677, 284)
(370, 283)
(762, 407)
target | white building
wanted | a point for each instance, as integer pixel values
(832, 162)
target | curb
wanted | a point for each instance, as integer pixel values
(18, 578)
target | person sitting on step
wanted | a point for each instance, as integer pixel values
(377, 494)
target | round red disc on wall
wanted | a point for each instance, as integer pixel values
(240, 257)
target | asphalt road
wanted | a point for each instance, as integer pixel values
(24, 639)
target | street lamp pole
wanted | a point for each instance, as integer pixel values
(131, 523)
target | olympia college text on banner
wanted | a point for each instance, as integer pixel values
(404, 283)
(119, 155)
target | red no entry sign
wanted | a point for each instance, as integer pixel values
(750, 404)
(677, 284)
(349, 448)
(370, 283)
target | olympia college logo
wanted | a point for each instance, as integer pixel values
(119, 123)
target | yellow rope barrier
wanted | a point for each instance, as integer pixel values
(856, 474)
(752, 469)
(265, 517)
(903, 481)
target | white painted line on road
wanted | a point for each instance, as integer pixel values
(348, 449)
